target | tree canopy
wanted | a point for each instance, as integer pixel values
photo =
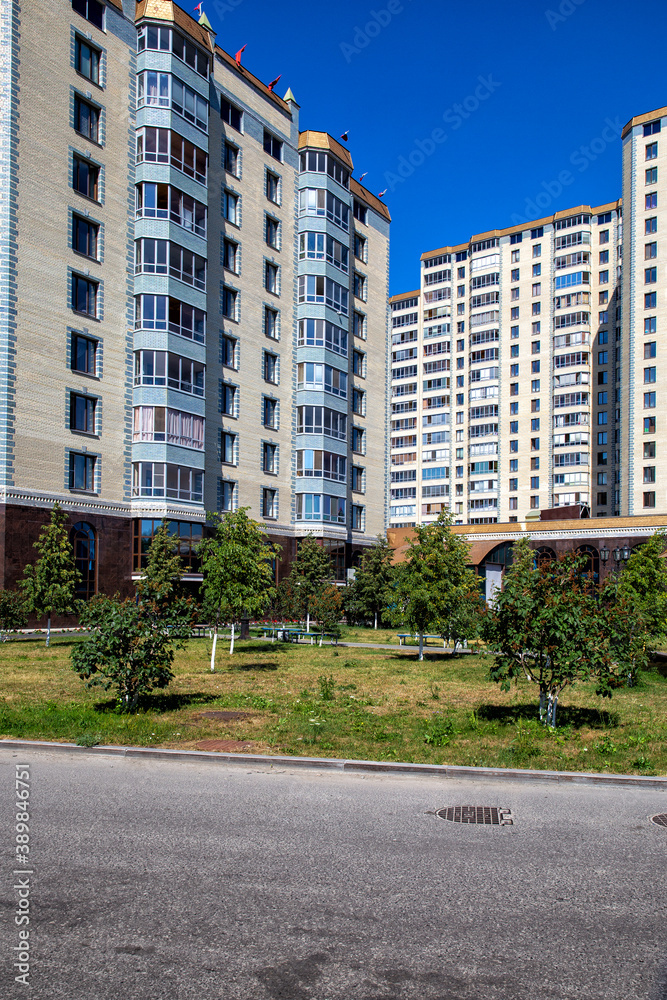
(373, 587)
(237, 565)
(160, 580)
(433, 580)
(311, 571)
(49, 584)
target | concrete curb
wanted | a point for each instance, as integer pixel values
(334, 764)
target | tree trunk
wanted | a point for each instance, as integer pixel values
(376, 620)
(231, 645)
(421, 645)
(543, 704)
(308, 621)
(215, 642)
(48, 630)
(551, 709)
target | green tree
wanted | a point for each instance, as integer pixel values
(372, 590)
(160, 580)
(638, 596)
(131, 646)
(237, 563)
(548, 625)
(327, 607)
(310, 571)
(433, 580)
(49, 585)
(13, 611)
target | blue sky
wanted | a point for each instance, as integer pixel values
(541, 88)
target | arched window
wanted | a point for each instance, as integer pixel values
(501, 555)
(85, 559)
(544, 554)
(592, 561)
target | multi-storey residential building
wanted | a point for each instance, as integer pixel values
(510, 366)
(194, 297)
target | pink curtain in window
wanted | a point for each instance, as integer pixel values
(144, 423)
(198, 432)
(173, 427)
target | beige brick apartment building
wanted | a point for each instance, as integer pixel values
(193, 309)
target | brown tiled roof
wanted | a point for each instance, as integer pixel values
(403, 295)
(641, 119)
(118, 4)
(532, 224)
(166, 10)
(322, 140)
(375, 203)
(230, 61)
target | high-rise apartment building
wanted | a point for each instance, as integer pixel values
(525, 368)
(194, 297)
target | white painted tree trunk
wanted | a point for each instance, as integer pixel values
(376, 620)
(48, 630)
(231, 645)
(307, 621)
(215, 642)
(421, 645)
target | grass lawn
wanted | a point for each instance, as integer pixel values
(336, 702)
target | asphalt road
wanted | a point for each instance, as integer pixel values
(189, 881)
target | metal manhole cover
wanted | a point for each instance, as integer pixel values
(660, 819)
(484, 815)
(226, 746)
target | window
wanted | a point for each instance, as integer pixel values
(649, 449)
(84, 236)
(271, 323)
(82, 413)
(534, 406)
(604, 237)
(269, 503)
(81, 472)
(153, 89)
(270, 458)
(602, 478)
(272, 232)
(514, 426)
(513, 485)
(514, 371)
(230, 159)
(83, 358)
(514, 351)
(649, 425)
(651, 200)
(229, 302)
(537, 288)
(603, 357)
(228, 351)
(514, 313)
(602, 500)
(159, 423)
(651, 128)
(360, 247)
(651, 150)
(602, 398)
(649, 373)
(270, 367)
(602, 437)
(602, 458)
(534, 367)
(651, 225)
(649, 400)
(360, 286)
(537, 308)
(86, 119)
(603, 298)
(534, 482)
(649, 473)
(154, 37)
(273, 187)
(226, 495)
(650, 349)
(82, 537)
(270, 412)
(313, 375)
(359, 402)
(358, 363)
(514, 445)
(650, 275)
(230, 207)
(357, 517)
(189, 54)
(514, 388)
(649, 499)
(358, 479)
(516, 238)
(92, 10)
(535, 347)
(535, 424)
(535, 385)
(87, 61)
(650, 325)
(227, 399)
(85, 177)
(534, 503)
(652, 175)
(534, 444)
(230, 114)
(155, 479)
(360, 212)
(230, 255)
(650, 300)
(650, 251)
(602, 417)
(84, 295)
(358, 441)
(273, 146)
(514, 464)
(271, 277)
(534, 464)
(228, 448)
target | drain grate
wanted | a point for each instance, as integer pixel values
(660, 819)
(484, 815)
